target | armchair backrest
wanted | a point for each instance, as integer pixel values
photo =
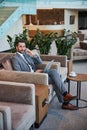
(57, 58)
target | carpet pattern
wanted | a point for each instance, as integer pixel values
(59, 119)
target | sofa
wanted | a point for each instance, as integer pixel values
(60, 64)
(79, 50)
(17, 106)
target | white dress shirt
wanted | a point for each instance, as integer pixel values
(25, 61)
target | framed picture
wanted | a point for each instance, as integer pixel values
(72, 19)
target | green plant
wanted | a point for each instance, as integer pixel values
(65, 42)
(43, 41)
(11, 43)
(20, 36)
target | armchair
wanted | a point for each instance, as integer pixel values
(17, 105)
(79, 51)
(7, 73)
(60, 65)
(36, 78)
(60, 61)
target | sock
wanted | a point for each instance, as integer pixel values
(66, 103)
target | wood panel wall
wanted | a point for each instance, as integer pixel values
(47, 17)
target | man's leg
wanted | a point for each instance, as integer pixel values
(57, 83)
(60, 90)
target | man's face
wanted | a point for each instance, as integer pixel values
(21, 47)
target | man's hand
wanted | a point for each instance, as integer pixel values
(29, 52)
(39, 71)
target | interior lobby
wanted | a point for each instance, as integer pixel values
(27, 100)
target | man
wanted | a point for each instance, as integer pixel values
(25, 60)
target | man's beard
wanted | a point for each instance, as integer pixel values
(22, 52)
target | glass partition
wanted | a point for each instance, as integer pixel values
(19, 3)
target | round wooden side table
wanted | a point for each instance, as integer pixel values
(79, 78)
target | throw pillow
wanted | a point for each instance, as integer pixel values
(6, 63)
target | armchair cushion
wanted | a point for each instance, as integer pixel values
(79, 53)
(21, 115)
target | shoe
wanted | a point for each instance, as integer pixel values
(69, 107)
(69, 97)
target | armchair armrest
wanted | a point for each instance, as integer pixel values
(55, 65)
(24, 77)
(17, 92)
(59, 58)
(6, 118)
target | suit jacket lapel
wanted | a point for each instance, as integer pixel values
(28, 60)
(21, 58)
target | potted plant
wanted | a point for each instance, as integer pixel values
(20, 36)
(43, 41)
(39, 41)
(65, 42)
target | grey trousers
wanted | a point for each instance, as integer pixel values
(55, 80)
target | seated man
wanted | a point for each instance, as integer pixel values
(25, 60)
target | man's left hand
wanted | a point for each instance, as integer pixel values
(39, 71)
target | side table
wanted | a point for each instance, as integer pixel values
(41, 96)
(79, 78)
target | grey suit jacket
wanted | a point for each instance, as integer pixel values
(20, 64)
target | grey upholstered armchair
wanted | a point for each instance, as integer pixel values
(60, 64)
(17, 106)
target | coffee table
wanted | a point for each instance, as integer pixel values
(79, 78)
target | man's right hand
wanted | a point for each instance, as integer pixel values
(29, 52)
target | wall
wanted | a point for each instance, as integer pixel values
(46, 17)
(68, 26)
(15, 29)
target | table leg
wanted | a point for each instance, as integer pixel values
(78, 91)
(68, 86)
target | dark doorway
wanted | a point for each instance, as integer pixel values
(82, 20)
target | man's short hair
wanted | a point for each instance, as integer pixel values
(21, 40)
